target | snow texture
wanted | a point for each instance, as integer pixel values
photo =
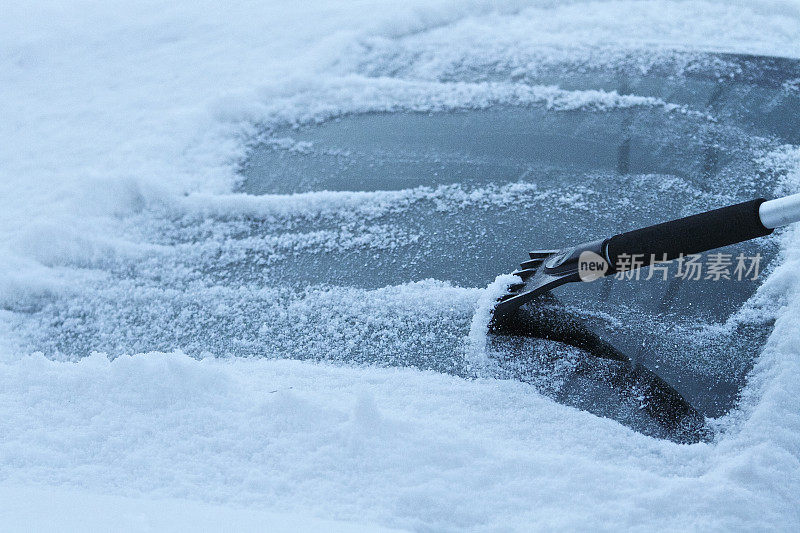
(479, 328)
(28, 508)
(119, 115)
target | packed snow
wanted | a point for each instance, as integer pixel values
(124, 128)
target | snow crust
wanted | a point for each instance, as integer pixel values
(39, 508)
(115, 112)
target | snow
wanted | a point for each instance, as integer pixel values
(115, 115)
(35, 508)
(479, 328)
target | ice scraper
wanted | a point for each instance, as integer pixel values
(548, 269)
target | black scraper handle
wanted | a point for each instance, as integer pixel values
(689, 235)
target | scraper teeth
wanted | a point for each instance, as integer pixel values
(524, 273)
(514, 287)
(541, 254)
(532, 264)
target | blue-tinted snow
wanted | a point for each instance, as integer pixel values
(118, 117)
